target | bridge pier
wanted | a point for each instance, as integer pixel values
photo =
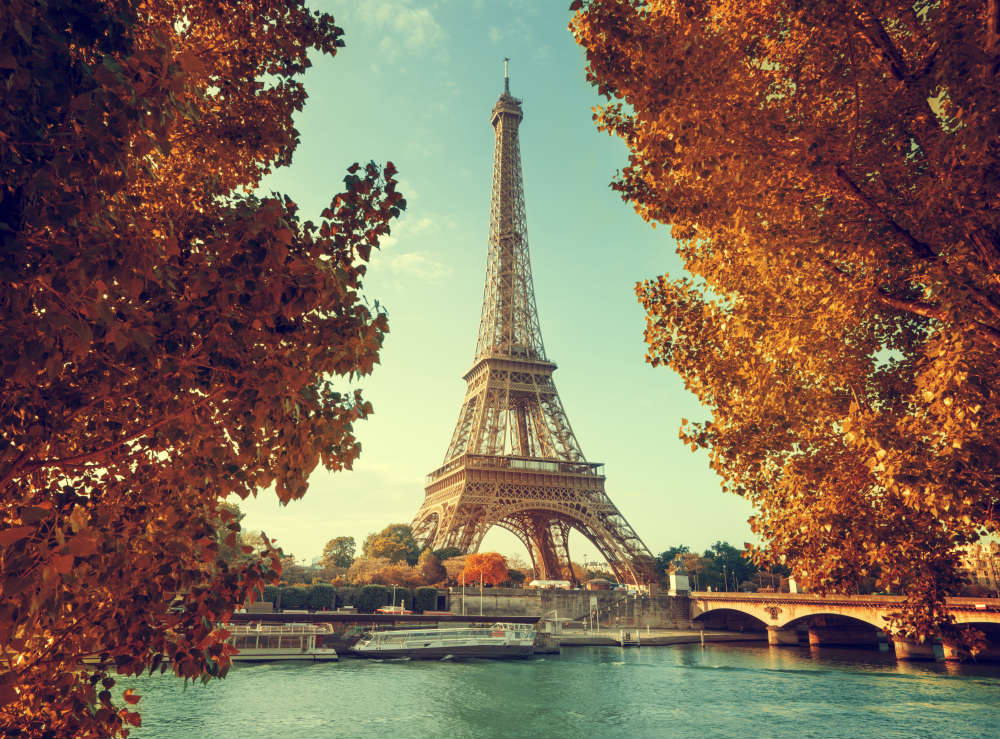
(911, 650)
(955, 653)
(777, 636)
(843, 636)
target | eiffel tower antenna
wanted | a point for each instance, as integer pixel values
(513, 460)
(506, 76)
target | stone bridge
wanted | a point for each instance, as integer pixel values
(841, 620)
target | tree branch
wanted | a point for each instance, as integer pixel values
(920, 249)
(988, 248)
(876, 34)
(992, 26)
(917, 307)
(881, 42)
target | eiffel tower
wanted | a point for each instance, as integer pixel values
(513, 460)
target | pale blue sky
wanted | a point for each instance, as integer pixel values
(415, 85)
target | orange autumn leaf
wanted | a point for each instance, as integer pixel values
(82, 545)
(15, 534)
(63, 563)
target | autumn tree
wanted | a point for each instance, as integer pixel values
(431, 570)
(829, 172)
(395, 541)
(339, 552)
(485, 568)
(454, 566)
(399, 573)
(169, 338)
(383, 571)
(364, 570)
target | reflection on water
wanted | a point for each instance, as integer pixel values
(715, 691)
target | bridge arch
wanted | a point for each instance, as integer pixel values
(729, 619)
(831, 618)
(782, 610)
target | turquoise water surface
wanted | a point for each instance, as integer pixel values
(684, 691)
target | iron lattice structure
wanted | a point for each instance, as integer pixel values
(513, 460)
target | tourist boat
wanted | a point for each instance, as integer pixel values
(272, 642)
(498, 641)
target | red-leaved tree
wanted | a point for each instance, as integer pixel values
(485, 568)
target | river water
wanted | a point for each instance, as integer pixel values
(681, 691)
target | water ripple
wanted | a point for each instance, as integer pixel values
(718, 691)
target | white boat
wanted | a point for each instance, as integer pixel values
(498, 641)
(272, 642)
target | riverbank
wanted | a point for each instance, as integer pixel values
(654, 637)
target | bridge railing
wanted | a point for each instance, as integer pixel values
(957, 603)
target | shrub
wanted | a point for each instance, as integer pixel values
(322, 596)
(294, 598)
(348, 596)
(372, 597)
(425, 599)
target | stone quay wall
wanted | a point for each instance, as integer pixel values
(614, 606)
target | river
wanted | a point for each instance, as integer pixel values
(711, 691)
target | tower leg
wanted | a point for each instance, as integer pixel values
(541, 539)
(563, 529)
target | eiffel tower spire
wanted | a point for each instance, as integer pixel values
(513, 460)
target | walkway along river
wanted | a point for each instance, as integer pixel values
(690, 690)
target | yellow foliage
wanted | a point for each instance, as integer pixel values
(833, 193)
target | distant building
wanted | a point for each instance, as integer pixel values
(982, 564)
